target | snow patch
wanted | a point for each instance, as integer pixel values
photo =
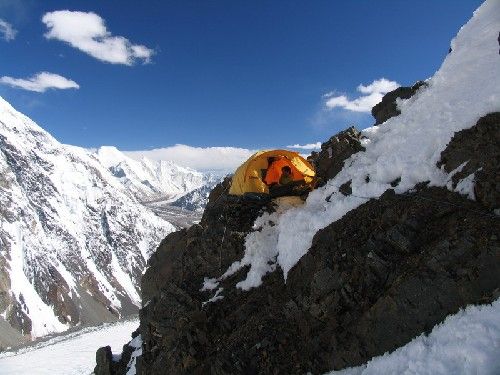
(136, 343)
(209, 284)
(215, 298)
(465, 343)
(466, 186)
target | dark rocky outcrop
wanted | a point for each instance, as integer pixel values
(330, 160)
(104, 359)
(386, 272)
(388, 108)
(107, 365)
(477, 148)
(390, 270)
(372, 281)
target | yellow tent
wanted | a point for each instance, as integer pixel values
(248, 178)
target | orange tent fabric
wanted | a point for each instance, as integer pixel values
(274, 171)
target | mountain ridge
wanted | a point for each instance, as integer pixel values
(74, 241)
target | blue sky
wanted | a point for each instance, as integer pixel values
(247, 74)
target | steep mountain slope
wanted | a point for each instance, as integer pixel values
(149, 180)
(403, 234)
(73, 241)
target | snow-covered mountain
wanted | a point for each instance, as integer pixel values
(73, 240)
(148, 179)
(197, 199)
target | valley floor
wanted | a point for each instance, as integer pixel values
(69, 354)
(180, 218)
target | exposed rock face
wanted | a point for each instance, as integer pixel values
(475, 151)
(105, 363)
(384, 273)
(104, 360)
(388, 108)
(387, 271)
(171, 285)
(390, 270)
(330, 160)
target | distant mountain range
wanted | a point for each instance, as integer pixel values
(197, 199)
(150, 180)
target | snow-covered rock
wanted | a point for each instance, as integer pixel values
(73, 240)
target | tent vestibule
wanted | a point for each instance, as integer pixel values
(256, 174)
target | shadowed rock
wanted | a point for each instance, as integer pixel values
(477, 149)
(330, 160)
(388, 108)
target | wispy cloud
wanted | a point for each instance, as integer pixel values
(372, 94)
(309, 146)
(7, 32)
(200, 158)
(88, 33)
(41, 82)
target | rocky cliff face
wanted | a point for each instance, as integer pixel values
(388, 107)
(474, 152)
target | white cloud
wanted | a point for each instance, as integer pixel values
(7, 31)
(373, 94)
(41, 82)
(88, 33)
(200, 158)
(309, 146)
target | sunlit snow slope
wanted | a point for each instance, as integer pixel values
(465, 88)
(73, 240)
